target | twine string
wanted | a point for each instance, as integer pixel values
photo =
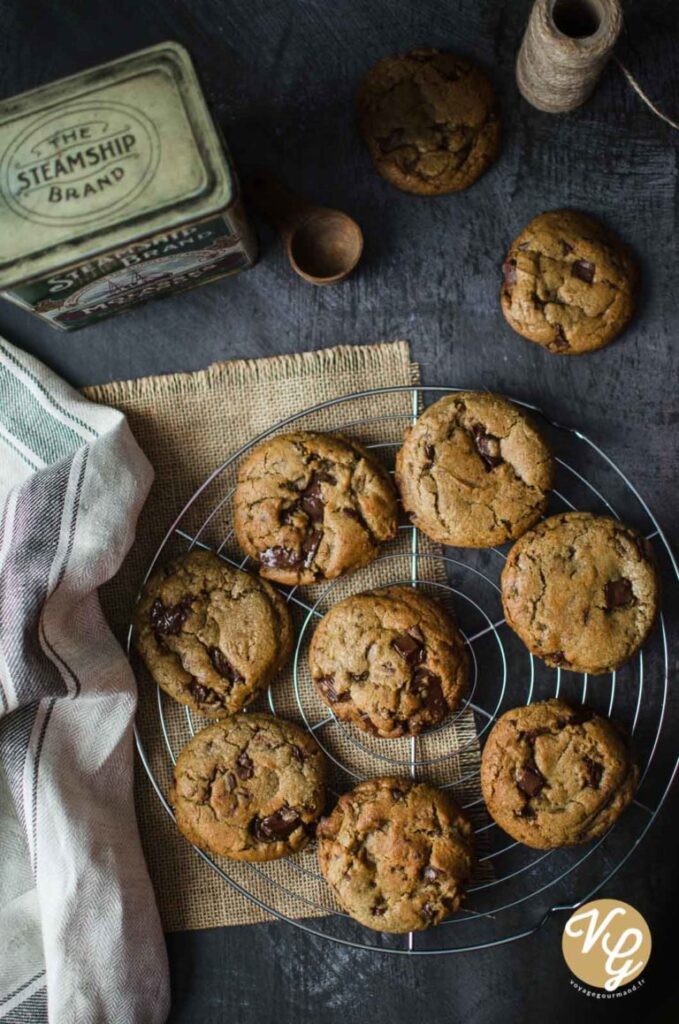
(557, 71)
(642, 95)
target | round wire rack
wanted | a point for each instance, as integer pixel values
(515, 889)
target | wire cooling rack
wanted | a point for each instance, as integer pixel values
(516, 889)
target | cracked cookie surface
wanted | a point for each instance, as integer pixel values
(397, 854)
(554, 775)
(474, 471)
(311, 506)
(210, 635)
(430, 121)
(250, 788)
(581, 591)
(392, 661)
(569, 284)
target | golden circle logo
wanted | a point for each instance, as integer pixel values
(606, 944)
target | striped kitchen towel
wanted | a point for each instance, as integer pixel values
(80, 937)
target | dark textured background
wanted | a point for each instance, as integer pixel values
(281, 76)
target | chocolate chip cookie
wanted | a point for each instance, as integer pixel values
(430, 121)
(553, 775)
(569, 283)
(396, 854)
(392, 661)
(211, 636)
(312, 506)
(249, 788)
(581, 591)
(474, 471)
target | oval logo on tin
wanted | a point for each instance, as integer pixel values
(80, 163)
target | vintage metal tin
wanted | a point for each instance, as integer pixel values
(115, 187)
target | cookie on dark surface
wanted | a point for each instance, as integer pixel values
(210, 635)
(554, 775)
(474, 471)
(569, 283)
(391, 661)
(581, 591)
(311, 506)
(396, 854)
(430, 121)
(250, 788)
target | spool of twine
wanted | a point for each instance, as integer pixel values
(564, 50)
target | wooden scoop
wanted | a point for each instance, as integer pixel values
(323, 245)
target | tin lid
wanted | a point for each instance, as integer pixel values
(100, 159)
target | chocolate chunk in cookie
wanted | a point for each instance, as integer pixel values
(581, 592)
(568, 283)
(474, 471)
(311, 506)
(249, 788)
(397, 854)
(554, 776)
(391, 661)
(430, 121)
(530, 780)
(211, 636)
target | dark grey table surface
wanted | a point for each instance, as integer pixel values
(281, 76)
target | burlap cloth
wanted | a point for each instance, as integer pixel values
(188, 424)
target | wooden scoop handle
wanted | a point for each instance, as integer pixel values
(277, 203)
